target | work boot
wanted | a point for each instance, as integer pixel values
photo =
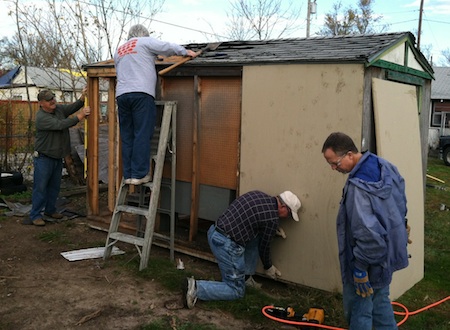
(38, 222)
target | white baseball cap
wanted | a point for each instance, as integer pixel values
(292, 201)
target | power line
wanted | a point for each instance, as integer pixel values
(435, 21)
(187, 28)
(159, 21)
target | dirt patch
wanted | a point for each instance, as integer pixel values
(40, 289)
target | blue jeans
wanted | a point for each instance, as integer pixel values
(230, 257)
(137, 113)
(46, 185)
(371, 312)
(251, 256)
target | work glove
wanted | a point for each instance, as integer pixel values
(280, 232)
(362, 284)
(273, 272)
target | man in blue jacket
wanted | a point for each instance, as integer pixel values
(371, 230)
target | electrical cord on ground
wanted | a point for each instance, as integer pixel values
(406, 315)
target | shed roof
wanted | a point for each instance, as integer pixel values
(353, 48)
(440, 88)
(360, 48)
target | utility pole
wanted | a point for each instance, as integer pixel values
(312, 9)
(419, 32)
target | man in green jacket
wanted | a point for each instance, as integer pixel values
(52, 144)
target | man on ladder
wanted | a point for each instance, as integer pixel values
(135, 93)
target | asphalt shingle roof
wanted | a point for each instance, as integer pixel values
(354, 48)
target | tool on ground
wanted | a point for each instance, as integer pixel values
(209, 47)
(280, 314)
(313, 316)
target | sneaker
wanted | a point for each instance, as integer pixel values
(38, 222)
(189, 292)
(252, 283)
(127, 181)
(145, 179)
(54, 215)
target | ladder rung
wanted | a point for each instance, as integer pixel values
(132, 210)
(127, 238)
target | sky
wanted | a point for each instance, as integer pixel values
(201, 21)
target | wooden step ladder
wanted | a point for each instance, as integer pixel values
(167, 133)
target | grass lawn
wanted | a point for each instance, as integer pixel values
(434, 287)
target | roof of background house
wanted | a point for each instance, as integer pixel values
(7, 78)
(440, 87)
(353, 48)
(54, 79)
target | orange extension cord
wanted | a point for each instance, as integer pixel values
(406, 314)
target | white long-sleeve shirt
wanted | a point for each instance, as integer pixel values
(135, 64)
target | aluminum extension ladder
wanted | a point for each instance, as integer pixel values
(167, 133)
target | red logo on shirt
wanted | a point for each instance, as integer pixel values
(127, 48)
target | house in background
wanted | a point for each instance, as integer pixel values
(22, 84)
(440, 106)
(18, 101)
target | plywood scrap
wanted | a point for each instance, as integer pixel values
(90, 253)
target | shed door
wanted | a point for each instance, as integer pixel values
(398, 140)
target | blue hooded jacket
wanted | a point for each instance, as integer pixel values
(371, 221)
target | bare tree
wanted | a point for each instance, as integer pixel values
(446, 55)
(261, 19)
(67, 34)
(351, 20)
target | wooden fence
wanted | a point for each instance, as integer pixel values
(17, 126)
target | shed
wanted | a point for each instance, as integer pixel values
(254, 115)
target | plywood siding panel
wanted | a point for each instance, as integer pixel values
(287, 113)
(397, 117)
